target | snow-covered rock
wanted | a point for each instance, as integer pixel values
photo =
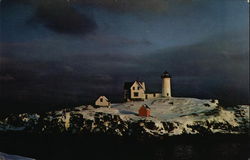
(169, 116)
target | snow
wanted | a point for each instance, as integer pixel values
(168, 109)
(4, 156)
(180, 112)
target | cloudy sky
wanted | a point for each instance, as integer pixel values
(59, 53)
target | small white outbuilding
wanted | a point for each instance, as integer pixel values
(102, 101)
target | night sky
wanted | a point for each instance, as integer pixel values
(62, 53)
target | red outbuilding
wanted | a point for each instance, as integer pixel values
(144, 111)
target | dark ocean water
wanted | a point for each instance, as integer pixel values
(116, 148)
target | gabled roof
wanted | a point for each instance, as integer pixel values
(103, 98)
(146, 106)
(140, 84)
(128, 85)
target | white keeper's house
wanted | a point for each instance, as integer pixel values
(136, 90)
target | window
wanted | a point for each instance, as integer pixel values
(146, 96)
(167, 94)
(101, 100)
(154, 94)
(133, 88)
(138, 88)
(136, 94)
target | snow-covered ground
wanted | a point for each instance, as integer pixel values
(4, 156)
(171, 116)
(182, 112)
(168, 109)
(164, 109)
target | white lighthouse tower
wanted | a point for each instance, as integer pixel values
(166, 84)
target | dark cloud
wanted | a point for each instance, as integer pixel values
(61, 17)
(156, 6)
(114, 40)
(128, 5)
(57, 15)
(40, 85)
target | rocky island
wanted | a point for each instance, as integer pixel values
(169, 117)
